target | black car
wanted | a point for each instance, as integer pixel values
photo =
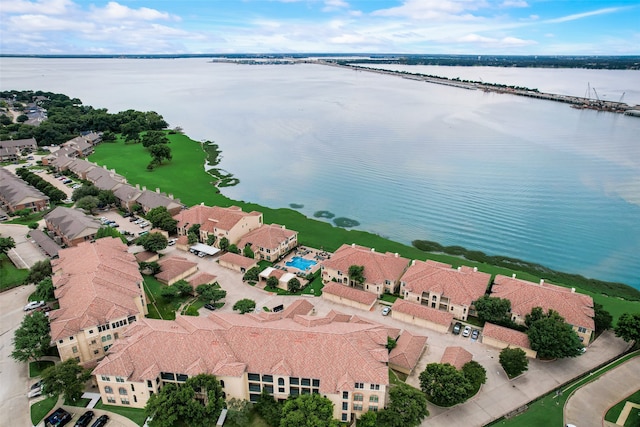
(210, 306)
(102, 420)
(84, 419)
(58, 419)
(456, 328)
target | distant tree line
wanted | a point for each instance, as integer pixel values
(55, 195)
(68, 117)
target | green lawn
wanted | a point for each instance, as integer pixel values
(42, 408)
(28, 219)
(10, 276)
(548, 411)
(389, 298)
(396, 378)
(613, 413)
(195, 186)
(80, 403)
(134, 414)
(160, 307)
(36, 368)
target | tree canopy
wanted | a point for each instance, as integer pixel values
(244, 306)
(39, 271)
(493, 309)
(444, 384)
(211, 292)
(514, 361)
(66, 378)
(628, 327)
(251, 275)
(308, 410)
(44, 290)
(356, 274)
(552, 337)
(269, 409)
(153, 242)
(407, 407)
(32, 339)
(88, 203)
(293, 285)
(162, 219)
(154, 137)
(602, 318)
(6, 244)
(159, 153)
(197, 402)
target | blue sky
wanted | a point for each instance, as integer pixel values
(524, 27)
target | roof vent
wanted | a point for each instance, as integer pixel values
(541, 282)
(475, 269)
(513, 276)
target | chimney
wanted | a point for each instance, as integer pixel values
(157, 190)
(283, 227)
(413, 262)
(475, 269)
(144, 188)
(353, 245)
(373, 249)
(137, 186)
(104, 167)
(460, 268)
(201, 203)
(113, 170)
(541, 282)
(396, 254)
(171, 196)
(573, 290)
(513, 276)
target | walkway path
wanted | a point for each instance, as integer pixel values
(589, 404)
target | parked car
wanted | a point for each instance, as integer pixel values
(133, 218)
(466, 332)
(58, 419)
(35, 390)
(84, 419)
(33, 305)
(386, 311)
(202, 254)
(456, 328)
(172, 242)
(67, 181)
(76, 186)
(474, 334)
(114, 224)
(102, 420)
(210, 306)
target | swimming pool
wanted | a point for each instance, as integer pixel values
(301, 263)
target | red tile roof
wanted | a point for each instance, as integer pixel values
(94, 283)
(407, 350)
(210, 217)
(422, 312)
(201, 278)
(462, 286)
(267, 237)
(173, 266)
(350, 293)
(456, 356)
(145, 255)
(231, 344)
(577, 309)
(239, 260)
(378, 267)
(509, 336)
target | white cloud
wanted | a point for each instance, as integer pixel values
(495, 42)
(514, 3)
(45, 7)
(116, 11)
(584, 15)
(433, 9)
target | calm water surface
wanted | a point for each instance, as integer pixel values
(506, 175)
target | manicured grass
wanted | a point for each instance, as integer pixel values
(396, 378)
(80, 403)
(10, 276)
(613, 413)
(389, 298)
(633, 419)
(548, 411)
(134, 414)
(28, 219)
(40, 409)
(160, 307)
(195, 186)
(36, 368)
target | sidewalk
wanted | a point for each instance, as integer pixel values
(589, 404)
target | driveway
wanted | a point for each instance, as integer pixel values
(14, 376)
(589, 404)
(26, 253)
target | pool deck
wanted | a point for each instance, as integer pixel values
(312, 254)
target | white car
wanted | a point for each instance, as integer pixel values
(35, 390)
(467, 331)
(386, 311)
(33, 305)
(172, 242)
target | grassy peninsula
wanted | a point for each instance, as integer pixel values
(184, 177)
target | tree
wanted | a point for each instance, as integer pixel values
(153, 267)
(272, 282)
(66, 378)
(23, 213)
(356, 274)
(131, 132)
(192, 238)
(32, 339)
(159, 153)
(224, 243)
(39, 271)
(248, 252)
(22, 118)
(514, 361)
(368, 419)
(211, 292)
(85, 190)
(245, 305)
(153, 242)
(195, 403)
(252, 275)
(602, 318)
(269, 409)
(169, 292)
(33, 225)
(6, 244)
(44, 290)
(391, 344)
(211, 239)
(110, 232)
(444, 384)
(184, 288)
(106, 198)
(493, 309)
(476, 374)
(308, 410)
(536, 314)
(233, 249)
(88, 203)
(108, 136)
(628, 327)
(407, 407)
(154, 137)
(162, 219)
(293, 285)
(553, 338)
(239, 412)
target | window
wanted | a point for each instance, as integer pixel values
(357, 407)
(135, 399)
(181, 377)
(124, 401)
(280, 381)
(344, 417)
(115, 335)
(280, 389)
(294, 380)
(108, 389)
(90, 331)
(106, 347)
(70, 338)
(222, 383)
(106, 338)
(339, 273)
(316, 383)
(96, 351)
(373, 408)
(582, 330)
(267, 378)
(268, 388)
(169, 376)
(149, 384)
(93, 341)
(373, 398)
(375, 387)
(74, 349)
(254, 387)
(359, 385)
(306, 391)
(122, 390)
(111, 399)
(345, 406)
(357, 397)
(294, 391)
(119, 379)
(131, 319)
(105, 378)
(60, 342)
(306, 381)
(345, 394)
(132, 388)
(254, 377)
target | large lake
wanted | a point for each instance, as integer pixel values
(409, 160)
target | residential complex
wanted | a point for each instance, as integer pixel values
(71, 226)
(575, 308)
(382, 271)
(270, 242)
(11, 150)
(230, 223)
(340, 356)
(16, 194)
(99, 289)
(439, 286)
